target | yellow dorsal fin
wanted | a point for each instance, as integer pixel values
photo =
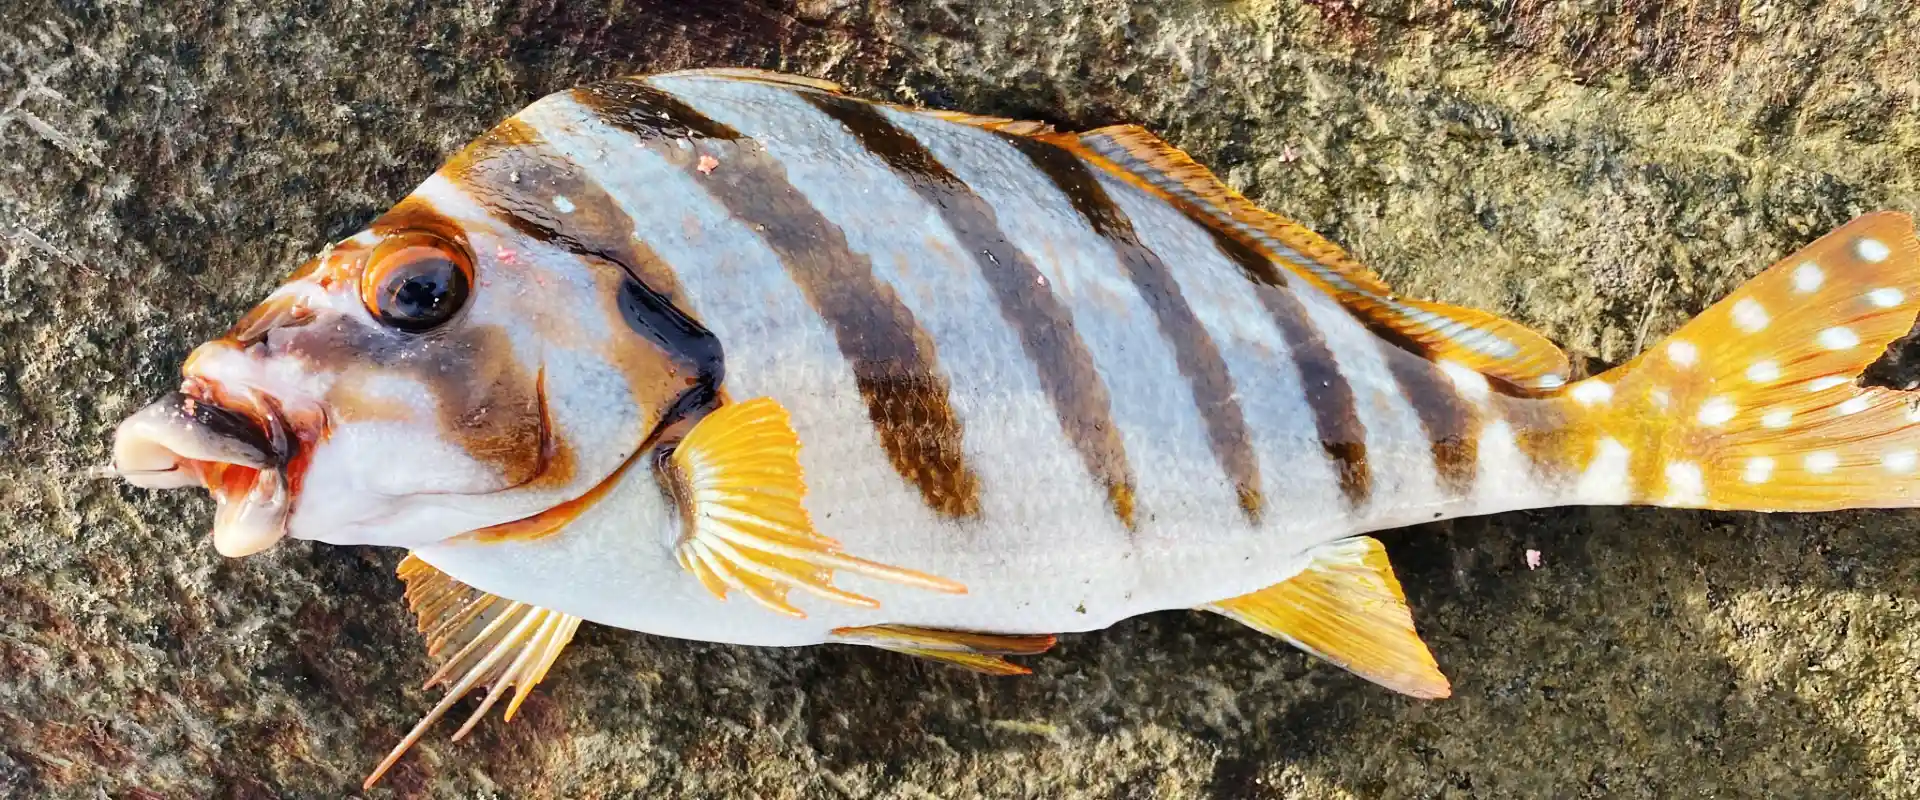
(495, 642)
(1016, 127)
(980, 652)
(1346, 607)
(1495, 347)
(737, 480)
(760, 76)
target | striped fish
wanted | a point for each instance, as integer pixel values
(732, 356)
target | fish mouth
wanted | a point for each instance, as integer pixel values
(238, 451)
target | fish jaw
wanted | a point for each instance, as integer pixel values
(245, 455)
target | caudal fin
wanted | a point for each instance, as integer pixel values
(1755, 404)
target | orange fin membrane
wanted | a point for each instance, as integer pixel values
(752, 75)
(1753, 404)
(497, 643)
(1346, 607)
(980, 652)
(1495, 347)
(1016, 127)
(738, 481)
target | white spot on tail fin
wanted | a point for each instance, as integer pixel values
(1808, 277)
(1886, 298)
(1871, 250)
(1549, 382)
(1605, 479)
(1828, 382)
(561, 203)
(1758, 470)
(1839, 338)
(1471, 384)
(1592, 392)
(1821, 462)
(1763, 372)
(1853, 405)
(1717, 411)
(1750, 316)
(1682, 352)
(1777, 418)
(1900, 461)
(1686, 486)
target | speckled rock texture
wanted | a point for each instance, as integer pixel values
(1599, 170)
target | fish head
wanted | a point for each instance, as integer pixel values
(435, 374)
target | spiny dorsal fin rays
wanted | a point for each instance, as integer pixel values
(753, 75)
(501, 644)
(980, 652)
(1496, 347)
(1016, 127)
(738, 480)
(1347, 608)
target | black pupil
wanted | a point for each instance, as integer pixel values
(423, 294)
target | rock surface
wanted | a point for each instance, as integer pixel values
(1600, 171)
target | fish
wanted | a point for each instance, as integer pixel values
(737, 356)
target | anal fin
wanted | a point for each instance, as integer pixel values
(1347, 608)
(496, 642)
(980, 652)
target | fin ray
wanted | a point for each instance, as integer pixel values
(980, 652)
(1347, 608)
(737, 475)
(1496, 347)
(502, 644)
(1754, 405)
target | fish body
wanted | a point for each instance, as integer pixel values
(732, 356)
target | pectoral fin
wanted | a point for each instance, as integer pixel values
(980, 652)
(1347, 608)
(496, 643)
(737, 479)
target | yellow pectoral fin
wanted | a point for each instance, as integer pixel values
(738, 481)
(1346, 607)
(498, 643)
(980, 652)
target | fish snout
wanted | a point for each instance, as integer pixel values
(240, 457)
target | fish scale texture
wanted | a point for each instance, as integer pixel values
(1598, 174)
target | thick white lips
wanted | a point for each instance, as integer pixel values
(179, 441)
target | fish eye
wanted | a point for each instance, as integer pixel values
(415, 282)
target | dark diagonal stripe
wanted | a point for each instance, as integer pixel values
(893, 359)
(1198, 357)
(1451, 423)
(1027, 302)
(522, 181)
(1336, 414)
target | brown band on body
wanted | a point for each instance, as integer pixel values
(1336, 413)
(524, 182)
(1452, 424)
(1195, 352)
(541, 193)
(1045, 325)
(894, 361)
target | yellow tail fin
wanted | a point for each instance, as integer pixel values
(1753, 405)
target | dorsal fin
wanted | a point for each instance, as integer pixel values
(1016, 127)
(1496, 347)
(759, 76)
